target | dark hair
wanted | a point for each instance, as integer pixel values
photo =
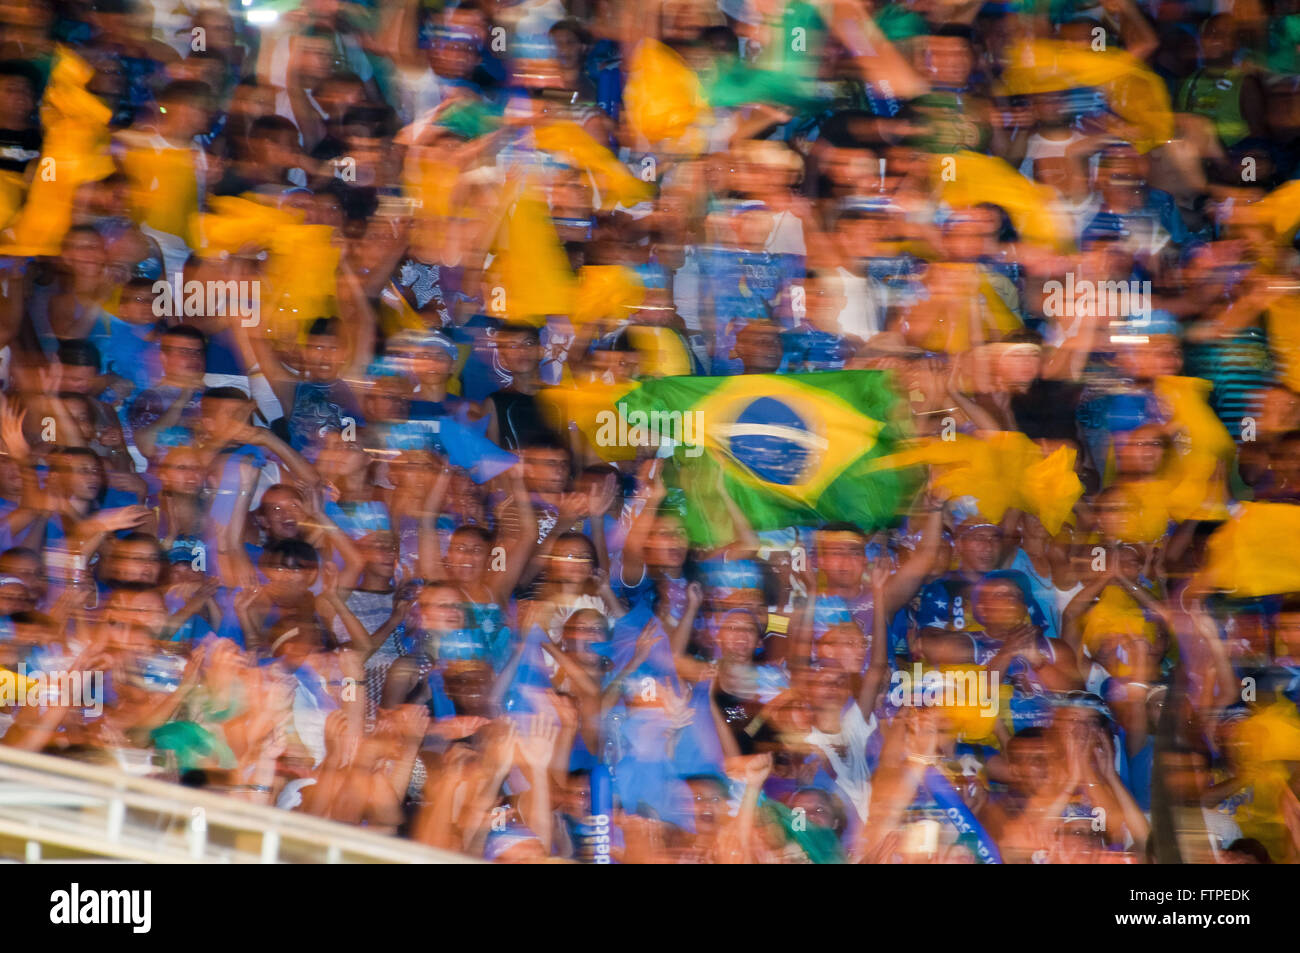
(187, 331)
(473, 529)
(272, 127)
(573, 536)
(325, 327)
(291, 554)
(23, 70)
(842, 526)
(79, 353)
(224, 393)
(186, 91)
(526, 330)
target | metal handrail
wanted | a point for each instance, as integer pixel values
(120, 791)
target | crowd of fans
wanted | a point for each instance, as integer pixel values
(310, 318)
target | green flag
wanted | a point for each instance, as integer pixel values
(788, 449)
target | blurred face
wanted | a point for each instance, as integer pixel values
(182, 357)
(1000, 606)
(282, 513)
(666, 544)
(380, 553)
(1030, 762)
(287, 583)
(710, 807)
(758, 346)
(582, 633)
(570, 562)
(842, 557)
(131, 616)
(519, 353)
(322, 357)
(737, 637)
(467, 556)
(182, 473)
(978, 548)
(83, 252)
(83, 477)
(816, 809)
(546, 470)
(844, 646)
(1139, 452)
(16, 102)
(313, 59)
(133, 562)
(456, 55)
(439, 609)
(28, 569)
(217, 414)
(947, 60)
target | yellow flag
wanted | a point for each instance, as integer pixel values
(1134, 93)
(663, 97)
(1115, 613)
(234, 223)
(530, 275)
(74, 151)
(302, 272)
(607, 292)
(1253, 553)
(1049, 488)
(1196, 475)
(967, 179)
(614, 183)
(591, 407)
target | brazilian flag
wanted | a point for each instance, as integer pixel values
(789, 449)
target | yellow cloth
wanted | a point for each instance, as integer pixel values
(1115, 613)
(164, 187)
(530, 266)
(966, 179)
(663, 354)
(1280, 209)
(302, 272)
(1135, 94)
(999, 470)
(74, 151)
(607, 292)
(588, 406)
(663, 97)
(1253, 553)
(1195, 473)
(236, 223)
(1283, 324)
(614, 183)
(957, 310)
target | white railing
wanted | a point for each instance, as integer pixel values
(55, 809)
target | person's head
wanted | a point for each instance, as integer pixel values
(220, 408)
(457, 46)
(1139, 452)
(78, 473)
(79, 363)
(546, 467)
(25, 564)
(380, 550)
(427, 356)
(758, 347)
(467, 554)
(667, 544)
(709, 800)
(842, 554)
(999, 605)
(439, 608)
(737, 633)
(1218, 39)
(19, 87)
(1029, 760)
(83, 253)
(273, 144)
(137, 302)
(183, 350)
(291, 567)
(132, 617)
(572, 560)
(134, 560)
(945, 57)
(844, 646)
(324, 352)
(468, 683)
(311, 57)
(518, 348)
(184, 106)
(821, 808)
(978, 546)
(281, 512)
(583, 631)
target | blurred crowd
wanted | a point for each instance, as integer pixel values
(330, 332)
